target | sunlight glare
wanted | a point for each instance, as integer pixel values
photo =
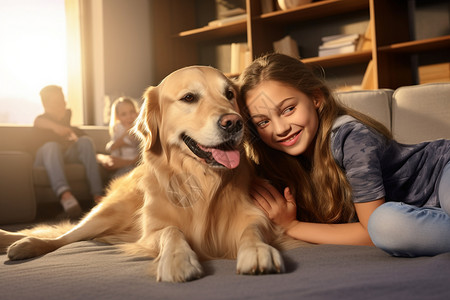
(32, 55)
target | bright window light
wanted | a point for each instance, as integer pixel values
(32, 55)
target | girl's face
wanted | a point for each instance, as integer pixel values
(126, 114)
(286, 119)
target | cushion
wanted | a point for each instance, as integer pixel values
(375, 104)
(421, 112)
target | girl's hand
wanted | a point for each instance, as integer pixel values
(280, 210)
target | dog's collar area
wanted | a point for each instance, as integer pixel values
(223, 155)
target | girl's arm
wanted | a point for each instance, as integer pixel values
(118, 142)
(344, 234)
(282, 211)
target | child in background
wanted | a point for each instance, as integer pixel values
(124, 147)
(335, 176)
(58, 143)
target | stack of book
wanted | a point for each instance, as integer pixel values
(226, 16)
(339, 44)
(221, 22)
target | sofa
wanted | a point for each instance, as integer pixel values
(26, 191)
(92, 270)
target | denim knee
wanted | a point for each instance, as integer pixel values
(405, 230)
(51, 147)
(382, 226)
(50, 151)
(85, 142)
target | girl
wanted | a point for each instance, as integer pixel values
(348, 181)
(123, 146)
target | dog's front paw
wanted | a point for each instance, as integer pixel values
(259, 258)
(179, 266)
(29, 247)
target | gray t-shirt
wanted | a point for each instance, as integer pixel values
(377, 167)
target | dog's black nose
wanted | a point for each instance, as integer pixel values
(231, 123)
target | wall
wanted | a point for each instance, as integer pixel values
(118, 53)
(127, 47)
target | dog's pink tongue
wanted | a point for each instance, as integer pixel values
(229, 159)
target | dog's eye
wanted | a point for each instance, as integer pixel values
(189, 97)
(229, 94)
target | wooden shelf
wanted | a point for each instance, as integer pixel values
(340, 59)
(314, 10)
(214, 32)
(437, 43)
(390, 24)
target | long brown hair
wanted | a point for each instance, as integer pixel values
(320, 187)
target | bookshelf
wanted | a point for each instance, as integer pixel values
(394, 54)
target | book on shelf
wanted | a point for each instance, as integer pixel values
(288, 46)
(240, 57)
(221, 22)
(267, 6)
(222, 60)
(349, 48)
(339, 44)
(339, 39)
(231, 12)
(227, 8)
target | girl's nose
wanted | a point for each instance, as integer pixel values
(281, 128)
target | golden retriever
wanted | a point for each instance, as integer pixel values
(188, 200)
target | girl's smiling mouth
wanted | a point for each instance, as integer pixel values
(291, 140)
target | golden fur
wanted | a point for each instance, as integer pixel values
(175, 206)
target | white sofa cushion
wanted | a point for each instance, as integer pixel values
(374, 103)
(421, 113)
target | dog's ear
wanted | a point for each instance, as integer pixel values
(147, 123)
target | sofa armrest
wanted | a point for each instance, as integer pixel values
(17, 199)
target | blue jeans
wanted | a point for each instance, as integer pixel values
(405, 230)
(52, 157)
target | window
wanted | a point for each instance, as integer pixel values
(33, 54)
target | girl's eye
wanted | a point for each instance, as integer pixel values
(288, 110)
(262, 124)
(229, 94)
(189, 97)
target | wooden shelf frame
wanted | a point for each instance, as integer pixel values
(341, 59)
(208, 33)
(390, 53)
(417, 46)
(314, 10)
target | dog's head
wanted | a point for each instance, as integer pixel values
(194, 110)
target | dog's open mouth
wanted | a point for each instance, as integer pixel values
(225, 154)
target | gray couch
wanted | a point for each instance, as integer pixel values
(26, 188)
(91, 270)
